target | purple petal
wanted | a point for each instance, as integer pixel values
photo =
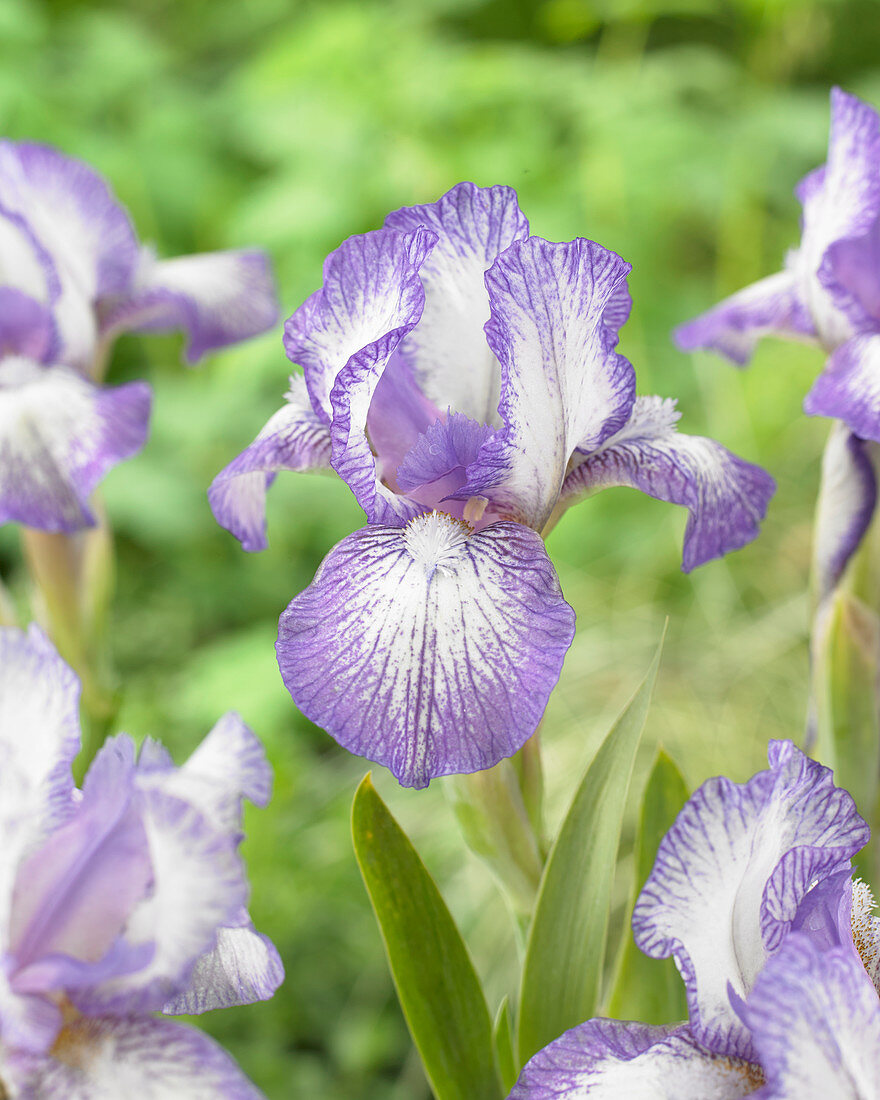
(376, 296)
(428, 648)
(217, 298)
(243, 967)
(610, 1060)
(294, 438)
(371, 294)
(448, 350)
(26, 326)
(445, 446)
(148, 1058)
(563, 385)
(849, 387)
(815, 1022)
(775, 306)
(399, 413)
(726, 496)
(730, 876)
(59, 436)
(847, 499)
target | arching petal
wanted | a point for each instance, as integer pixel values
(447, 445)
(726, 496)
(730, 876)
(217, 298)
(849, 387)
(152, 1059)
(294, 438)
(428, 648)
(772, 307)
(452, 361)
(815, 1022)
(59, 436)
(563, 385)
(609, 1060)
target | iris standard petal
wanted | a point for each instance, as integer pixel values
(294, 438)
(849, 387)
(59, 436)
(147, 1058)
(563, 385)
(730, 876)
(725, 496)
(610, 1060)
(774, 306)
(216, 298)
(452, 361)
(815, 1022)
(428, 648)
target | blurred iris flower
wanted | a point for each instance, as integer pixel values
(72, 277)
(461, 376)
(828, 293)
(752, 894)
(119, 901)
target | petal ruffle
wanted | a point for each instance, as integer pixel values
(448, 350)
(59, 436)
(294, 438)
(554, 308)
(429, 649)
(815, 1022)
(725, 496)
(730, 876)
(217, 298)
(849, 387)
(152, 1059)
(609, 1060)
(772, 307)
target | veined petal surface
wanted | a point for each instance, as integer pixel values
(610, 1060)
(849, 387)
(428, 648)
(452, 361)
(563, 385)
(294, 438)
(730, 876)
(59, 436)
(726, 496)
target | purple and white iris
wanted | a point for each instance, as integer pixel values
(461, 376)
(119, 901)
(752, 895)
(828, 293)
(72, 277)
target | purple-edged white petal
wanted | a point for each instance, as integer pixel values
(26, 326)
(243, 967)
(815, 1022)
(847, 499)
(775, 306)
(849, 387)
(428, 648)
(294, 438)
(217, 298)
(452, 361)
(147, 1058)
(726, 496)
(373, 300)
(563, 385)
(730, 876)
(59, 436)
(612, 1060)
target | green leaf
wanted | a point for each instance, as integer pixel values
(503, 1033)
(651, 990)
(562, 976)
(438, 988)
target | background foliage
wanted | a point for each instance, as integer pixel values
(670, 130)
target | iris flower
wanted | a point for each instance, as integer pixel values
(461, 376)
(121, 903)
(752, 894)
(828, 293)
(72, 277)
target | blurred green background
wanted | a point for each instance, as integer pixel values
(670, 130)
